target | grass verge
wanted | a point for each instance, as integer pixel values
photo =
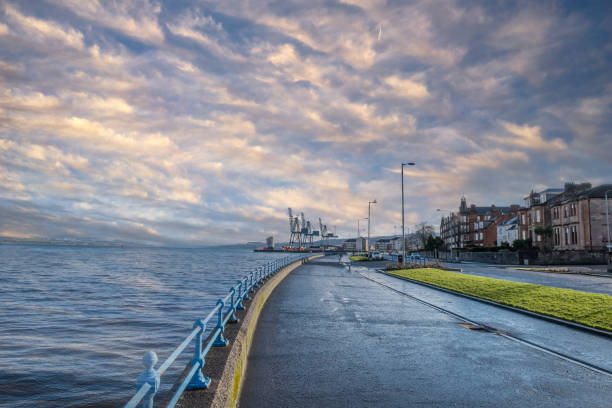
(590, 309)
(357, 258)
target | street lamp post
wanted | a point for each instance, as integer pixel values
(403, 232)
(359, 231)
(369, 202)
(608, 226)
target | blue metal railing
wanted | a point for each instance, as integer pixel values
(224, 312)
(413, 258)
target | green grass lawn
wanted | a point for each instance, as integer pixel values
(359, 258)
(591, 309)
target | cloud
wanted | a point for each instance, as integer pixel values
(406, 87)
(194, 26)
(136, 19)
(529, 137)
(42, 30)
(200, 123)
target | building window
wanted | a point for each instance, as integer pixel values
(555, 213)
(524, 234)
(574, 235)
(556, 236)
(538, 237)
(566, 236)
(573, 211)
(523, 219)
(538, 216)
(565, 211)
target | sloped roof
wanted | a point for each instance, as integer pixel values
(598, 192)
(595, 192)
(513, 220)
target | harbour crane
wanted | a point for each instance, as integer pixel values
(294, 229)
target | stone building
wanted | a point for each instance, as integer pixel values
(507, 231)
(578, 217)
(473, 225)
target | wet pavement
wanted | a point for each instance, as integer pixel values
(330, 337)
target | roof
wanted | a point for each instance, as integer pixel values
(384, 240)
(486, 210)
(598, 192)
(351, 240)
(595, 192)
(513, 220)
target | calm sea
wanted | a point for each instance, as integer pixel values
(76, 321)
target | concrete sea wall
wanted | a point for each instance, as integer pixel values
(227, 365)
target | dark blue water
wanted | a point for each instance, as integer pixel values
(76, 321)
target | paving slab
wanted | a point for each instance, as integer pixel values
(330, 337)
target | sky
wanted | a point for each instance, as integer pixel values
(198, 123)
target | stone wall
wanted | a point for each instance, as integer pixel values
(569, 258)
(528, 257)
(501, 257)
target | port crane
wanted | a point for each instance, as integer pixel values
(302, 232)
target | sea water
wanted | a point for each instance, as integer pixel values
(76, 321)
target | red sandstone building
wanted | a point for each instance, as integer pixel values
(572, 218)
(474, 226)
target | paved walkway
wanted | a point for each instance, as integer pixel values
(329, 337)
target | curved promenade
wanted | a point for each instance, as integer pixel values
(330, 337)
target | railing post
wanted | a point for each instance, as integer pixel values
(239, 305)
(257, 271)
(233, 318)
(245, 292)
(198, 381)
(220, 341)
(150, 376)
(251, 283)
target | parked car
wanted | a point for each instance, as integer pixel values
(376, 255)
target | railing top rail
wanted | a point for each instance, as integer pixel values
(142, 391)
(162, 369)
(212, 313)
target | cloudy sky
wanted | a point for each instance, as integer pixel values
(190, 123)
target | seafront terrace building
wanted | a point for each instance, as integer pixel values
(535, 217)
(507, 231)
(473, 225)
(578, 218)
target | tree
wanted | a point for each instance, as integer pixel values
(423, 232)
(434, 243)
(521, 244)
